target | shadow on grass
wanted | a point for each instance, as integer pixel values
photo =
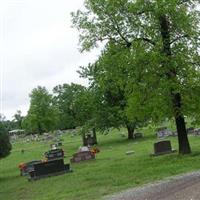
(9, 178)
(194, 154)
(122, 141)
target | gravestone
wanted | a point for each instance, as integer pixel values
(50, 168)
(59, 144)
(25, 168)
(138, 135)
(197, 131)
(163, 147)
(54, 154)
(82, 156)
(190, 130)
(89, 139)
(53, 146)
(163, 132)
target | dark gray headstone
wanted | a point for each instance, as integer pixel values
(89, 139)
(49, 168)
(162, 147)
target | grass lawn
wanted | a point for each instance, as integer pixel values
(111, 172)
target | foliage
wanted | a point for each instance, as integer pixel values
(114, 22)
(5, 146)
(42, 114)
(68, 99)
(18, 118)
(6, 125)
(110, 76)
(162, 38)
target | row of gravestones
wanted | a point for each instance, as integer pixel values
(161, 147)
(57, 166)
(164, 132)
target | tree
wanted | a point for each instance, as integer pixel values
(18, 119)
(64, 99)
(42, 115)
(110, 75)
(166, 34)
(5, 146)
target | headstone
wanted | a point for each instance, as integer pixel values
(59, 144)
(163, 132)
(90, 139)
(190, 130)
(82, 156)
(25, 168)
(138, 135)
(123, 135)
(54, 154)
(58, 132)
(197, 131)
(54, 146)
(162, 147)
(174, 133)
(50, 168)
(85, 148)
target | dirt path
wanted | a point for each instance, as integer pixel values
(185, 187)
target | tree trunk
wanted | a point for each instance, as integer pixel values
(84, 140)
(94, 135)
(184, 147)
(39, 128)
(130, 132)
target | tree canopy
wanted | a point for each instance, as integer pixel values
(110, 76)
(162, 37)
(42, 114)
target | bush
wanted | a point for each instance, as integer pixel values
(5, 146)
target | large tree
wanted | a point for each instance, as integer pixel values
(65, 99)
(163, 37)
(109, 74)
(42, 115)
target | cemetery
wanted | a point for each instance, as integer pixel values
(131, 118)
(98, 171)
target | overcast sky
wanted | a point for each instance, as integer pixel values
(37, 47)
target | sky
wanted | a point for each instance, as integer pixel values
(38, 46)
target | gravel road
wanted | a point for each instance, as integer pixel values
(184, 187)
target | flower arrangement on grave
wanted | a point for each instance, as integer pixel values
(22, 166)
(94, 150)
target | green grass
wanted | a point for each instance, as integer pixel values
(111, 172)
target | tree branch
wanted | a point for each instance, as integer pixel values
(178, 38)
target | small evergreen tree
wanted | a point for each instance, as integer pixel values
(5, 146)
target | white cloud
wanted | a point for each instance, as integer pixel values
(37, 47)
